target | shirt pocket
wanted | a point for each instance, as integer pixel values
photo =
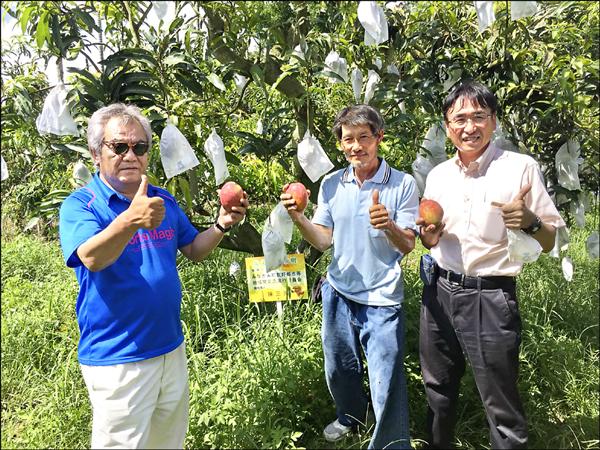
(489, 224)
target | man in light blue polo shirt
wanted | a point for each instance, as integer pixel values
(367, 212)
(121, 236)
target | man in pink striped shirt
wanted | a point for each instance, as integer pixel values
(470, 308)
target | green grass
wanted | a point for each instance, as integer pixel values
(257, 382)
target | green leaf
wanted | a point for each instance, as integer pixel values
(56, 37)
(216, 82)
(330, 74)
(232, 159)
(24, 21)
(173, 60)
(190, 83)
(185, 189)
(281, 77)
(83, 73)
(41, 32)
(136, 77)
(140, 90)
(87, 19)
(258, 76)
(126, 56)
(71, 147)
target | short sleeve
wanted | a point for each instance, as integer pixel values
(538, 200)
(77, 224)
(322, 214)
(186, 232)
(408, 204)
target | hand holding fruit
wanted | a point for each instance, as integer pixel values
(378, 213)
(295, 198)
(146, 212)
(234, 202)
(430, 221)
(430, 214)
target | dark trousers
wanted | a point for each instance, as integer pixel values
(485, 326)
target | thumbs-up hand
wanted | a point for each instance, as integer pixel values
(515, 213)
(379, 215)
(146, 212)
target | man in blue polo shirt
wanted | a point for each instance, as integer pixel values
(367, 212)
(121, 236)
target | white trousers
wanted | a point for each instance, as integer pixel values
(143, 404)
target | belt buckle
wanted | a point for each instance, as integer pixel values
(447, 277)
(455, 283)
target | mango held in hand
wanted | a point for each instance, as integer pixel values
(231, 194)
(431, 212)
(299, 194)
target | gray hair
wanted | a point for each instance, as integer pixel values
(98, 121)
(357, 115)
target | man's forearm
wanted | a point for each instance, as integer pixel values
(546, 237)
(103, 249)
(203, 244)
(317, 235)
(402, 238)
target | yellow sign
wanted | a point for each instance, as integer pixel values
(288, 282)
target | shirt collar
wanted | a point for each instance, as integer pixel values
(108, 192)
(381, 176)
(481, 164)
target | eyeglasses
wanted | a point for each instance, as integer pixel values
(363, 139)
(120, 148)
(478, 119)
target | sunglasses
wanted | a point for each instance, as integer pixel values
(120, 148)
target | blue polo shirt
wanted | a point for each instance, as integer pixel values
(365, 266)
(130, 310)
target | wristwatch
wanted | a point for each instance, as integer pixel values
(534, 227)
(220, 228)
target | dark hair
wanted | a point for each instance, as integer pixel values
(358, 115)
(473, 91)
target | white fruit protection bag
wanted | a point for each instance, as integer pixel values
(372, 82)
(567, 162)
(240, 81)
(81, 174)
(522, 9)
(337, 65)
(522, 247)
(176, 153)
(4, 170)
(567, 268)
(216, 153)
(421, 167)
(561, 242)
(485, 14)
(372, 18)
(312, 158)
(273, 247)
(281, 222)
(591, 244)
(578, 210)
(55, 117)
(500, 139)
(357, 80)
(435, 144)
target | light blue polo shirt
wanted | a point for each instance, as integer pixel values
(130, 310)
(365, 266)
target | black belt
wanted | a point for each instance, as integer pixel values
(498, 282)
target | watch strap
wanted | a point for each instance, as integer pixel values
(221, 228)
(534, 227)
